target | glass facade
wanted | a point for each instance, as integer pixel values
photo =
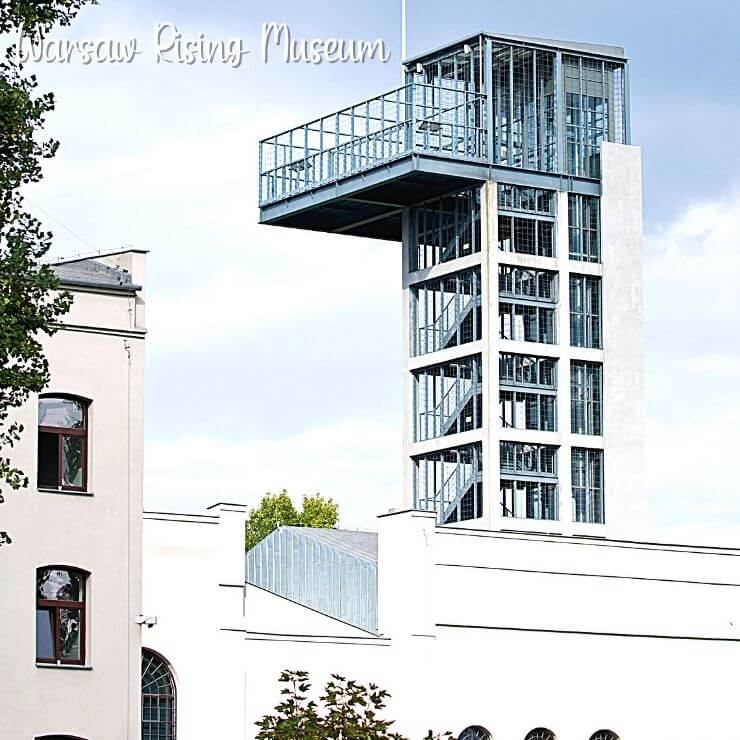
(526, 323)
(584, 228)
(521, 410)
(585, 398)
(529, 487)
(525, 371)
(594, 111)
(526, 236)
(526, 199)
(585, 311)
(524, 282)
(587, 481)
(524, 107)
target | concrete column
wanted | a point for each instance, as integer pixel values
(489, 296)
(624, 382)
(405, 570)
(230, 563)
(407, 496)
(563, 338)
(230, 573)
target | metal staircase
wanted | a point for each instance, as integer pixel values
(450, 416)
(451, 318)
(450, 500)
(460, 315)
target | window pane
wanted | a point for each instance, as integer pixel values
(44, 634)
(60, 585)
(72, 461)
(61, 412)
(48, 467)
(69, 634)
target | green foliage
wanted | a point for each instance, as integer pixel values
(319, 512)
(348, 711)
(277, 509)
(37, 17)
(30, 303)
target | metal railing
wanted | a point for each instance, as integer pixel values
(412, 118)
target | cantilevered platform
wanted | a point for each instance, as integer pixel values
(512, 109)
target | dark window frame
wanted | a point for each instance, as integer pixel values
(541, 733)
(55, 606)
(475, 732)
(170, 699)
(60, 433)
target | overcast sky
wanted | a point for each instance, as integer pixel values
(273, 355)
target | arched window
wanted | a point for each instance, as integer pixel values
(62, 456)
(475, 732)
(541, 733)
(59, 737)
(60, 615)
(605, 735)
(158, 698)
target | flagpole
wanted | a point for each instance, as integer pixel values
(403, 38)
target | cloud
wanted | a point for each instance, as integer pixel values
(693, 370)
(355, 463)
(298, 279)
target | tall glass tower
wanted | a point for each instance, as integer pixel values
(503, 166)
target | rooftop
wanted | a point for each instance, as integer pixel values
(89, 273)
(575, 47)
(512, 109)
(332, 571)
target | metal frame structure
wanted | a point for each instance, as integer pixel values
(586, 411)
(489, 107)
(486, 164)
(587, 481)
(335, 573)
(585, 311)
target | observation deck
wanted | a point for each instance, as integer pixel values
(508, 108)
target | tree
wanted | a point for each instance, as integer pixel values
(30, 302)
(277, 509)
(349, 711)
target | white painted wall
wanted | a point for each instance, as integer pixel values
(624, 350)
(196, 592)
(510, 631)
(98, 354)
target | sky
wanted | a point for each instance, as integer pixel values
(274, 356)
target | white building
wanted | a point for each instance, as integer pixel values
(509, 632)
(70, 649)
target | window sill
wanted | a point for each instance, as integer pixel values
(64, 492)
(66, 666)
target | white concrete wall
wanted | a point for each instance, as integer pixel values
(509, 631)
(98, 354)
(624, 350)
(569, 633)
(194, 585)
